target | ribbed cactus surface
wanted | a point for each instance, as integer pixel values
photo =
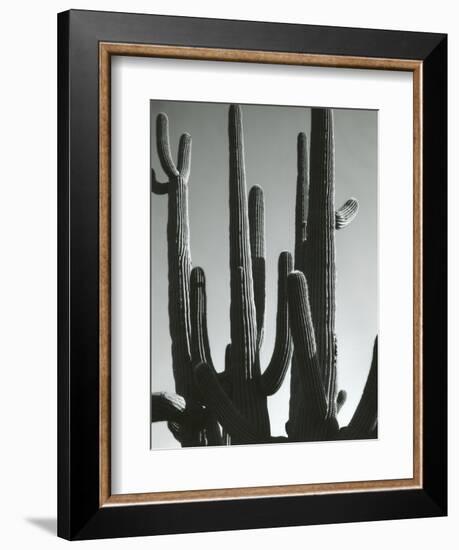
(230, 407)
(314, 400)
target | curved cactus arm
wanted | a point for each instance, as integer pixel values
(273, 376)
(218, 402)
(346, 214)
(257, 248)
(158, 187)
(305, 348)
(169, 407)
(173, 408)
(183, 421)
(302, 190)
(364, 421)
(331, 380)
(184, 156)
(200, 349)
(164, 147)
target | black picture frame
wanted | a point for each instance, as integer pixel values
(80, 515)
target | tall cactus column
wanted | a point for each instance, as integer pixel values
(319, 252)
(314, 402)
(238, 397)
(245, 368)
(179, 268)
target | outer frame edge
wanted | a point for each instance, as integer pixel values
(63, 458)
(96, 526)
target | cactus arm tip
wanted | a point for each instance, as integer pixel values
(184, 156)
(163, 144)
(257, 250)
(166, 406)
(346, 214)
(302, 192)
(200, 348)
(302, 150)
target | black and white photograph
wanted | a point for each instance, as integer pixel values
(264, 274)
(230, 257)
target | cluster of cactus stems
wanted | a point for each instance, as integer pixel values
(230, 407)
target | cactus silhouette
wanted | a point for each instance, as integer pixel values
(314, 401)
(188, 432)
(230, 407)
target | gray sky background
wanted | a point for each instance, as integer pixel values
(270, 134)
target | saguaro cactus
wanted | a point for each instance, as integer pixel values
(313, 400)
(242, 390)
(179, 262)
(236, 399)
(242, 408)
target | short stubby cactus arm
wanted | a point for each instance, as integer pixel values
(165, 156)
(273, 376)
(346, 214)
(216, 400)
(257, 248)
(365, 418)
(340, 400)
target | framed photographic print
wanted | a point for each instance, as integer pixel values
(252, 274)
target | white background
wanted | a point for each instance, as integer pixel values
(135, 468)
(28, 274)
